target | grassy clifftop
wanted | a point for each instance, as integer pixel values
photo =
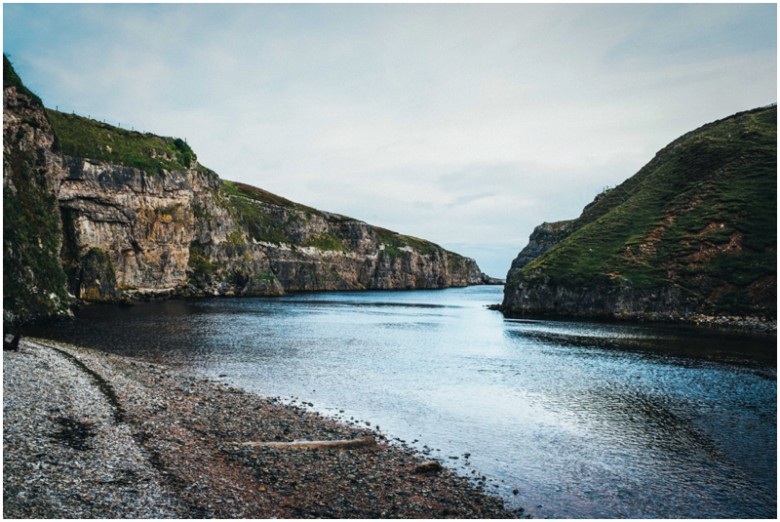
(267, 227)
(82, 137)
(700, 217)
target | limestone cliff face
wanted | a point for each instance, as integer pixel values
(277, 244)
(139, 224)
(184, 231)
(33, 279)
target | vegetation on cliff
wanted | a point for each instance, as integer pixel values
(699, 221)
(264, 225)
(11, 79)
(253, 209)
(33, 278)
(82, 137)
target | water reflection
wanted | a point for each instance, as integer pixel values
(683, 342)
(583, 419)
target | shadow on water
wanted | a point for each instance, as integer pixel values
(673, 402)
(684, 343)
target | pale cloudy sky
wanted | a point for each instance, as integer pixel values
(466, 125)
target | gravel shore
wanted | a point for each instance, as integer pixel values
(91, 435)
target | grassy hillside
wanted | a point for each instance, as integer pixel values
(265, 226)
(86, 138)
(701, 216)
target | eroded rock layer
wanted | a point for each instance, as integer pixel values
(189, 232)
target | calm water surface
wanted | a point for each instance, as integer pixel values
(582, 419)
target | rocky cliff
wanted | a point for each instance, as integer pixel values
(692, 235)
(542, 239)
(126, 214)
(153, 220)
(187, 232)
(33, 279)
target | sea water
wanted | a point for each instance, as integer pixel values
(564, 419)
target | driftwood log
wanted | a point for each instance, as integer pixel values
(362, 442)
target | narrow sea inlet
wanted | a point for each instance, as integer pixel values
(564, 419)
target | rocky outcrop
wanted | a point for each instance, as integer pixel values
(109, 214)
(33, 279)
(542, 239)
(691, 237)
(142, 207)
(187, 232)
(599, 301)
(139, 224)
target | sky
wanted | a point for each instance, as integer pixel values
(464, 124)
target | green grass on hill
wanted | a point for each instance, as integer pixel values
(266, 224)
(235, 188)
(86, 138)
(394, 242)
(263, 223)
(704, 207)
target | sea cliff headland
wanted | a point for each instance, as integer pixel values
(691, 237)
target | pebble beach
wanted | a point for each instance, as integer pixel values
(92, 435)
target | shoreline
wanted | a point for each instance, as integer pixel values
(117, 437)
(759, 325)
